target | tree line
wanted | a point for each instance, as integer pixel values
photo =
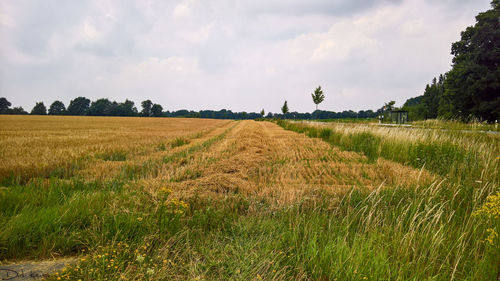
(471, 89)
(82, 106)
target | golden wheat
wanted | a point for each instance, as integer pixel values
(37, 145)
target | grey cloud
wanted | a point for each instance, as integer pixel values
(239, 55)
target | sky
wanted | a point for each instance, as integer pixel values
(243, 55)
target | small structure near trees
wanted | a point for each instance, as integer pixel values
(398, 116)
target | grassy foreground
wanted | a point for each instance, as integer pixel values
(138, 223)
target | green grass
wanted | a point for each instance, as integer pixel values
(348, 120)
(180, 141)
(394, 234)
(474, 125)
(441, 157)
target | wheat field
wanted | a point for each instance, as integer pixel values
(200, 199)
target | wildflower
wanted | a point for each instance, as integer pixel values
(139, 258)
(492, 235)
(166, 190)
(150, 271)
(139, 219)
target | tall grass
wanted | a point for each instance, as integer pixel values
(457, 162)
(385, 234)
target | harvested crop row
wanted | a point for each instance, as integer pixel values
(261, 159)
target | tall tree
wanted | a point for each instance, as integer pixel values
(78, 106)
(156, 110)
(4, 105)
(262, 112)
(472, 86)
(57, 108)
(318, 96)
(39, 109)
(284, 108)
(146, 108)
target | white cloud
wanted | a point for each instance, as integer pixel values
(182, 10)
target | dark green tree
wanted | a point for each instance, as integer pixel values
(146, 108)
(127, 108)
(318, 96)
(57, 108)
(472, 86)
(262, 112)
(78, 106)
(156, 110)
(39, 109)
(415, 107)
(4, 105)
(101, 107)
(284, 108)
(18, 111)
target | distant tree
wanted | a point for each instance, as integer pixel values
(156, 110)
(432, 97)
(125, 108)
(146, 108)
(388, 106)
(262, 112)
(269, 115)
(284, 108)
(101, 107)
(78, 106)
(39, 109)
(472, 86)
(415, 107)
(318, 96)
(413, 101)
(4, 105)
(17, 111)
(57, 108)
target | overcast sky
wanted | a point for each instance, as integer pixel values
(238, 55)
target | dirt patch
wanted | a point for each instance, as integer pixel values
(33, 270)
